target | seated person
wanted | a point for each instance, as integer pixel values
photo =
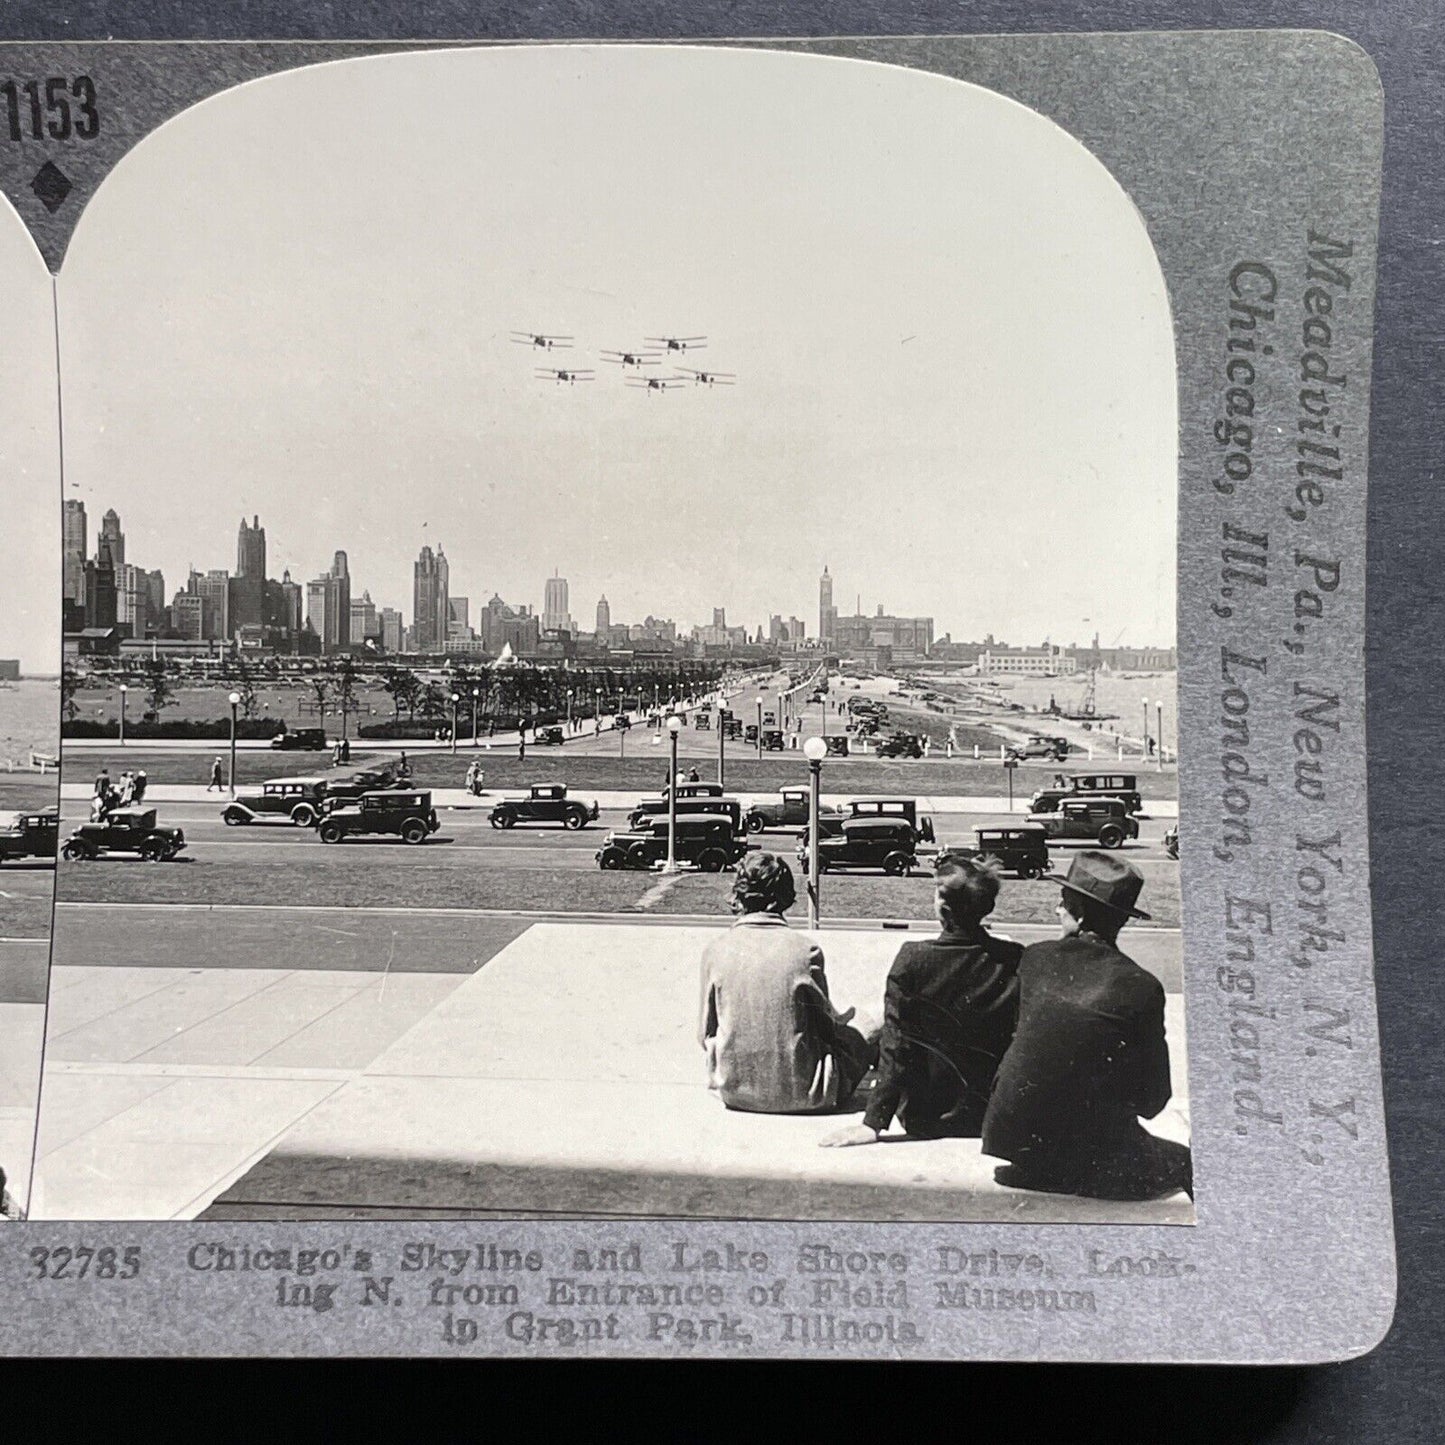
(1089, 1058)
(774, 1042)
(948, 1016)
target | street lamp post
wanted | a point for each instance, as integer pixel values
(569, 711)
(455, 701)
(476, 699)
(235, 703)
(1145, 754)
(815, 750)
(122, 714)
(722, 738)
(597, 716)
(760, 727)
(674, 726)
(1159, 735)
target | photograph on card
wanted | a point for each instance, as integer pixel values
(619, 655)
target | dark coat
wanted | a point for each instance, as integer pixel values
(1088, 1060)
(948, 1016)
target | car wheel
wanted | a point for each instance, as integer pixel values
(152, 851)
(756, 822)
(331, 833)
(611, 859)
(712, 860)
(1030, 871)
(1111, 838)
(233, 817)
(75, 853)
(896, 864)
(414, 830)
(303, 815)
(637, 856)
(506, 820)
(575, 820)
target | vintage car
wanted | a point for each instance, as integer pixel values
(882, 841)
(1171, 841)
(837, 745)
(544, 803)
(1124, 786)
(692, 799)
(773, 740)
(750, 733)
(124, 830)
(905, 808)
(621, 723)
(901, 745)
(705, 840)
(732, 727)
(31, 835)
(769, 718)
(307, 739)
(789, 811)
(702, 720)
(1092, 820)
(1022, 850)
(1042, 746)
(298, 801)
(549, 737)
(409, 815)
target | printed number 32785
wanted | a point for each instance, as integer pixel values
(106, 1262)
(59, 108)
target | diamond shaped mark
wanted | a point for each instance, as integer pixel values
(52, 185)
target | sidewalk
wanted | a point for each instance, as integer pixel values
(562, 1077)
(460, 799)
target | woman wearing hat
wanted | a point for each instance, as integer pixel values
(1089, 1058)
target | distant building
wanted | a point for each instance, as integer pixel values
(100, 590)
(112, 537)
(604, 618)
(9, 669)
(393, 637)
(555, 615)
(215, 587)
(826, 611)
(132, 599)
(431, 613)
(365, 623)
(906, 638)
(1044, 661)
(73, 543)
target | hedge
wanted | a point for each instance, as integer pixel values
(218, 729)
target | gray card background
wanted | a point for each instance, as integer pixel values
(1408, 318)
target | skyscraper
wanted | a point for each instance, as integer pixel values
(826, 612)
(100, 597)
(328, 606)
(604, 617)
(391, 629)
(74, 545)
(248, 586)
(251, 549)
(431, 612)
(555, 616)
(111, 534)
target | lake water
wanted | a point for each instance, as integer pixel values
(29, 719)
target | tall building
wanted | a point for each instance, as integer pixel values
(720, 619)
(431, 612)
(132, 598)
(364, 621)
(73, 541)
(555, 616)
(392, 632)
(111, 534)
(215, 587)
(604, 617)
(826, 611)
(328, 606)
(247, 607)
(459, 619)
(156, 598)
(251, 549)
(100, 593)
(188, 615)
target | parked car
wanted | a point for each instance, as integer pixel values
(654, 809)
(837, 745)
(750, 733)
(125, 830)
(886, 842)
(305, 739)
(31, 835)
(409, 815)
(1123, 786)
(773, 740)
(544, 803)
(1094, 820)
(1171, 841)
(732, 727)
(904, 808)
(621, 723)
(1022, 850)
(789, 811)
(901, 745)
(704, 840)
(291, 800)
(702, 720)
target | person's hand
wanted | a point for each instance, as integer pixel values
(846, 1138)
(846, 1017)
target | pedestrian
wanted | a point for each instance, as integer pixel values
(775, 1043)
(692, 775)
(403, 768)
(216, 785)
(10, 1210)
(141, 783)
(125, 794)
(948, 1014)
(1089, 1058)
(102, 783)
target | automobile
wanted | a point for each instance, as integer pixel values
(702, 720)
(732, 727)
(881, 841)
(1022, 849)
(1095, 820)
(750, 733)
(773, 741)
(1042, 746)
(905, 808)
(1124, 786)
(769, 717)
(1171, 841)
(298, 801)
(655, 809)
(901, 745)
(790, 810)
(124, 830)
(549, 737)
(410, 815)
(544, 803)
(305, 739)
(704, 840)
(655, 805)
(621, 723)
(31, 835)
(837, 745)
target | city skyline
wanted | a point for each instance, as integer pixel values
(916, 404)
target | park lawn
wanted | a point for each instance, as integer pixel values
(23, 794)
(194, 766)
(26, 895)
(382, 880)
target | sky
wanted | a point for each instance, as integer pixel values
(29, 457)
(955, 378)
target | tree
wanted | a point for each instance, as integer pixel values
(403, 687)
(320, 686)
(344, 689)
(245, 685)
(69, 685)
(435, 703)
(160, 692)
